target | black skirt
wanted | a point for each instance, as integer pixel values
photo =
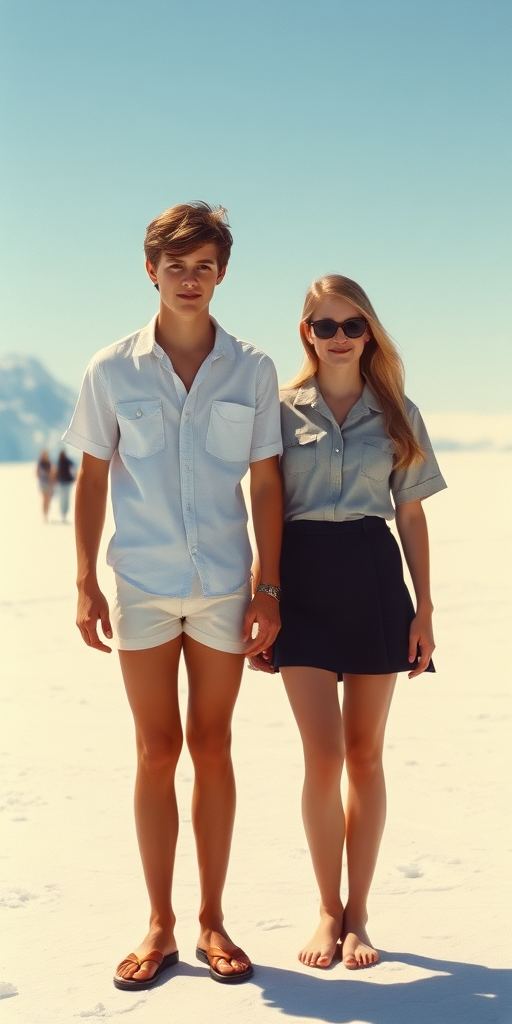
(344, 603)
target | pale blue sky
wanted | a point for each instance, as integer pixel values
(365, 137)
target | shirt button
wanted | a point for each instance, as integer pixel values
(337, 451)
(138, 413)
(186, 466)
(187, 415)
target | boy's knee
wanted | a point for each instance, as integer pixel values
(159, 756)
(209, 747)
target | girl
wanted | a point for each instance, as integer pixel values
(44, 473)
(351, 441)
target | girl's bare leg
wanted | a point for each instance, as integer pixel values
(214, 681)
(313, 695)
(151, 678)
(366, 704)
(47, 497)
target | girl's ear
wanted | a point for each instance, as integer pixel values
(307, 332)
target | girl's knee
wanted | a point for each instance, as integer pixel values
(363, 759)
(324, 765)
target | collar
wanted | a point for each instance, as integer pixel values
(146, 342)
(371, 400)
(309, 394)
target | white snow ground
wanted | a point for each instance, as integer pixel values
(72, 901)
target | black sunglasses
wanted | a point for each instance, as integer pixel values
(354, 327)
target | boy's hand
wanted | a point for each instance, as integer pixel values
(92, 605)
(263, 612)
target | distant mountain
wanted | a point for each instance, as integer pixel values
(35, 409)
(465, 431)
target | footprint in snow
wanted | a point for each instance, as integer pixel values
(410, 870)
(6, 990)
(272, 923)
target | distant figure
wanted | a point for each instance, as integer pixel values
(44, 473)
(64, 476)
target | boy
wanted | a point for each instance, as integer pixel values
(178, 412)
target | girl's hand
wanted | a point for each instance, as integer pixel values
(262, 662)
(421, 636)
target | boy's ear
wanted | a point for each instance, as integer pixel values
(221, 274)
(151, 271)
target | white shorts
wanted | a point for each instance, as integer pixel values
(141, 620)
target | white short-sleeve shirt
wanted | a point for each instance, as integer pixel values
(178, 458)
(332, 472)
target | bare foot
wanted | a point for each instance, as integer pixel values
(320, 950)
(156, 938)
(356, 948)
(213, 939)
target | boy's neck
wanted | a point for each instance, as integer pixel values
(181, 337)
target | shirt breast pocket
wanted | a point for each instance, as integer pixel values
(377, 458)
(300, 457)
(230, 429)
(141, 427)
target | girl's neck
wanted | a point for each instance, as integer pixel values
(340, 390)
(347, 382)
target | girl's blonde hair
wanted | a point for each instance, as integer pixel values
(380, 363)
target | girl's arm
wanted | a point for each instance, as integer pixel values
(412, 529)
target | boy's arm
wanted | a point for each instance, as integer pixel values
(267, 516)
(413, 532)
(90, 507)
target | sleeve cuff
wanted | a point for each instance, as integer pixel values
(420, 491)
(266, 452)
(83, 444)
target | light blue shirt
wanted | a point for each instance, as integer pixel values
(178, 458)
(332, 472)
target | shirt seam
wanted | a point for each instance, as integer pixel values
(105, 388)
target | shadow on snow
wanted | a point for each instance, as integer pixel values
(463, 992)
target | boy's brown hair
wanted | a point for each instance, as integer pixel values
(186, 227)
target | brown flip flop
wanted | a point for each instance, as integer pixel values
(212, 956)
(164, 962)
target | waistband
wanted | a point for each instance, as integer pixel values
(320, 526)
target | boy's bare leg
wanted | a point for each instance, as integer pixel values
(151, 681)
(313, 695)
(366, 705)
(214, 681)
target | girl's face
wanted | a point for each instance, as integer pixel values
(338, 351)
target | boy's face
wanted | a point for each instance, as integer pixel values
(187, 283)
